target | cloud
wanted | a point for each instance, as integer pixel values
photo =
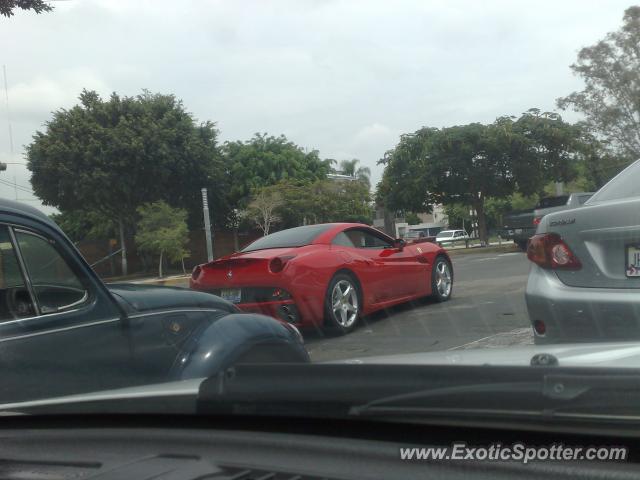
(345, 77)
(33, 100)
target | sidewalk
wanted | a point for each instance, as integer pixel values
(169, 281)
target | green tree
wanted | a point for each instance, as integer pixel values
(7, 7)
(263, 209)
(301, 203)
(517, 201)
(110, 157)
(351, 168)
(412, 218)
(458, 216)
(543, 148)
(611, 73)
(267, 160)
(81, 225)
(469, 164)
(162, 231)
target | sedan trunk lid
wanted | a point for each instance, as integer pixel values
(602, 236)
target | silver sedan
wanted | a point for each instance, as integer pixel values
(584, 282)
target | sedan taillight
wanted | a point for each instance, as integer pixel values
(536, 221)
(548, 250)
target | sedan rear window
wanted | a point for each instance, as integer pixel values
(550, 202)
(625, 185)
(293, 237)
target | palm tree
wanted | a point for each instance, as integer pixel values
(350, 167)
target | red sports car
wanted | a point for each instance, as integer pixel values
(327, 275)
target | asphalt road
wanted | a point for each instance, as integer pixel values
(487, 309)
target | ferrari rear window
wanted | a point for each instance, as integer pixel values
(293, 237)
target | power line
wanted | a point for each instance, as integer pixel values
(19, 186)
(15, 185)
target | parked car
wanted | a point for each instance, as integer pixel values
(520, 225)
(451, 236)
(584, 284)
(63, 331)
(418, 236)
(327, 275)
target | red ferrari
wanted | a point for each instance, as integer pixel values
(327, 275)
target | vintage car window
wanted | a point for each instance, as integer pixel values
(15, 300)
(343, 240)
(55, 285)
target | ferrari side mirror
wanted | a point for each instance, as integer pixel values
(399, 243)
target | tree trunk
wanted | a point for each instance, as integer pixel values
(236, 244)
(482, 221)
(160, 265)
(123, 245)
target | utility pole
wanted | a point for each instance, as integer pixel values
(6, 97)
(207, 224)
(3, 165)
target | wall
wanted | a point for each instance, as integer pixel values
(95, 250)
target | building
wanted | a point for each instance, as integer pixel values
(397, 227)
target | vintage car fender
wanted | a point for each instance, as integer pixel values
(238, 338)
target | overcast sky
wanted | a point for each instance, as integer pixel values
(344, 77)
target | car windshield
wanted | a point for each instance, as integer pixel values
(625, 185)
(293, 237)
(364, 199)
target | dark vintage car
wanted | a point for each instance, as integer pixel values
(63, 331)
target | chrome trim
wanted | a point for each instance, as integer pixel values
(65, 308)
(159, 312)
(39, 312)
(23, 268)
(56, 330)
(29, 232)
(46, 315)
(169, 389)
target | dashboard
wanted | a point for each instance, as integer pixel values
(251, 448)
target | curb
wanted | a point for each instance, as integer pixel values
(509, 248)
(175, 281)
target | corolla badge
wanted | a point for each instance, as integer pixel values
(562, 222)
(229, 274)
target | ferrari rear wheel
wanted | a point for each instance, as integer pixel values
(441, 279)
(342, 304)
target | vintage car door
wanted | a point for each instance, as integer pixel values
(60, 332)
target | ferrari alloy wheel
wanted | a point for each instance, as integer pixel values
(342, 304)
(441, 279)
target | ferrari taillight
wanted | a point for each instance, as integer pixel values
(548, 250)
(277, 264)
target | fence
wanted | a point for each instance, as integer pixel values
(101, 253)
